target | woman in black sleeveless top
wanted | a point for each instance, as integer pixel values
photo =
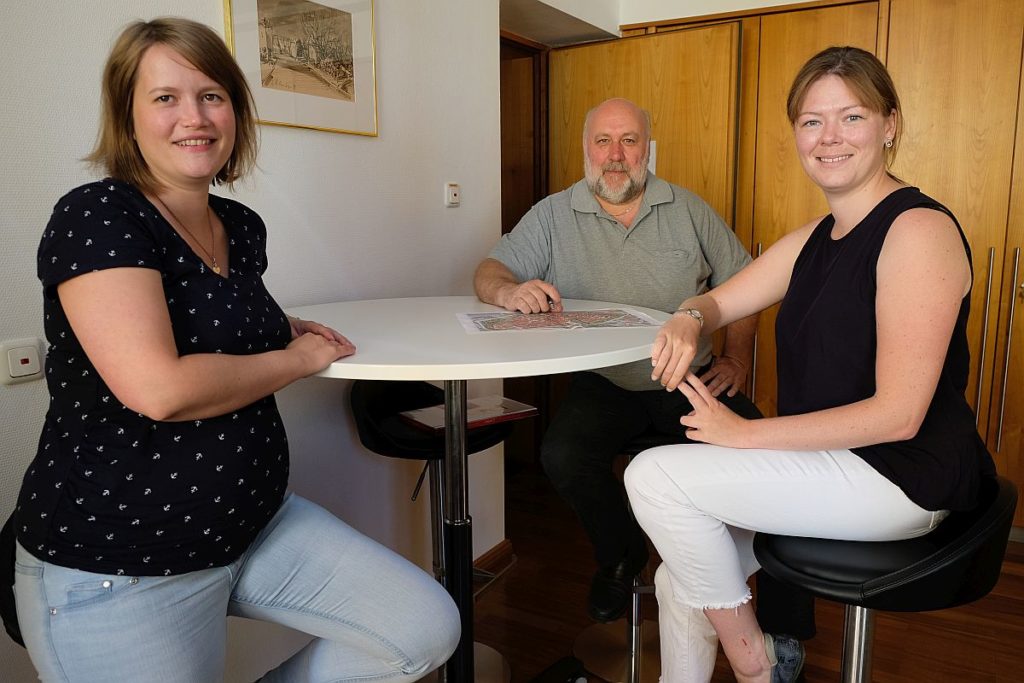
(874, 440)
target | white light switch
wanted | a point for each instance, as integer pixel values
(20, 361)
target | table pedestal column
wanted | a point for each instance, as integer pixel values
(458, 529)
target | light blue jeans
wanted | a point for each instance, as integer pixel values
(376, 616)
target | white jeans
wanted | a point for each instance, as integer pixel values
(701, 505)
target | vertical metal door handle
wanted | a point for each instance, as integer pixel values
(984, 334)
(1009, 339)
(753, 361)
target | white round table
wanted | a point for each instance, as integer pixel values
(421, 338)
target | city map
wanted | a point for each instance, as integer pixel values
(504, 321)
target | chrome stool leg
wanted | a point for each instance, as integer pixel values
(636, 623)
(859, 632)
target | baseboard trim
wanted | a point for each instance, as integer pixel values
(491, 565)
(496, 560)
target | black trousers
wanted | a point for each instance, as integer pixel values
(593, 423)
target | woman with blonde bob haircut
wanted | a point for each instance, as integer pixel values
(157, 503)
(874, 440)
(116, 150)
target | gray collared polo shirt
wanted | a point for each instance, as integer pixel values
(676, 248)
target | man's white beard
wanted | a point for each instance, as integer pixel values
(629, 190)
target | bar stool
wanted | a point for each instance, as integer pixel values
(957, 563)
(376, 405)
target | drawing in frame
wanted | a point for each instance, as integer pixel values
(309, 64)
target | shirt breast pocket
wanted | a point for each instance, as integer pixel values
(683, 272)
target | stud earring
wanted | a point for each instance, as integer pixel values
(888, 144)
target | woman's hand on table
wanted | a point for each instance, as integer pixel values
(301, 327)
(318, 352)
(318, 344)
(673, 350)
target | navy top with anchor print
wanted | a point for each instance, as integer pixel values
(110, 490)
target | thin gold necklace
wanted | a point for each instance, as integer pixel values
(621, 213)
(214, 266)
(627, 210)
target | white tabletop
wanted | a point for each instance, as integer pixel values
(422, 339)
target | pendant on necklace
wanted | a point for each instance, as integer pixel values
(216, 269)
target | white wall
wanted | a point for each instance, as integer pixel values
(640, 11)
(349, 217)
(603, 14)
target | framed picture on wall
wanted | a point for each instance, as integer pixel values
(309, 64)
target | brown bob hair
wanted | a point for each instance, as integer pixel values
(863, 73)
(116, 151)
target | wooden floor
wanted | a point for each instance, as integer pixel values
(534, 611)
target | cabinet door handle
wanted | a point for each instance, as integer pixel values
(1009, 339)
(753, 360)
(984, 334)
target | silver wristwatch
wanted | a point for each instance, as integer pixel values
(693, 313)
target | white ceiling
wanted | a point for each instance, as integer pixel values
(544, 24)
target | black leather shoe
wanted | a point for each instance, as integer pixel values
(610, 591)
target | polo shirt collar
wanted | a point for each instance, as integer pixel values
(584, 201)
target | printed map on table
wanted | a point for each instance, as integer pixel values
(504, 321)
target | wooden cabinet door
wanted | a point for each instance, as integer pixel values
(685, 79)
(957, 65)
(1006, 422)
(784, 198)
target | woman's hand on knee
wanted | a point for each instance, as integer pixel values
(710, 421)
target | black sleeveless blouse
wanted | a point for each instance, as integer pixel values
(825, 335)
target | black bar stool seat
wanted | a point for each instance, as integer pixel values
(376, 405)
(957, 563)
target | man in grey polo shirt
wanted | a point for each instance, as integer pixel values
(620, 235)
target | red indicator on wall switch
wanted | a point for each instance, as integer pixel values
(20, 360)
(23, 361)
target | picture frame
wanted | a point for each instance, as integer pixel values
(309, 64)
